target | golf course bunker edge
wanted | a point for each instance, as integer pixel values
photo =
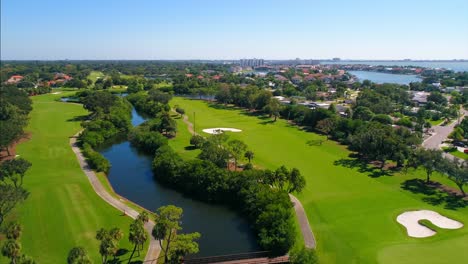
(410, 220)
(218, 130)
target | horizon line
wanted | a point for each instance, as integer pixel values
(290, 59)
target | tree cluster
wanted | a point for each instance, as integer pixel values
(12, 247)
(433, 161)
(15, 106)
(261, 195)
(111, 116)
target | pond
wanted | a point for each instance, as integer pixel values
(222, 230)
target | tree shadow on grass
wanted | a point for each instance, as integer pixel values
(266, 122)
(362, 167)
(78, 118)
(121, 252)
(190, 147)
(222, 106)
(433, 195)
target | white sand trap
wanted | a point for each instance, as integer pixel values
(56, 92)
(410, 221)
(218, 130)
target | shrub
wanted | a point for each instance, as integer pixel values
(304, 256)
(197, 141)
(146, 140)
(95, 160)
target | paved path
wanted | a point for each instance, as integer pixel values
(307, 234)
(306, 231)
(441, 134)
(154, 248)
(188, 123)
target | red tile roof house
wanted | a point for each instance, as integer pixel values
(188, 75)
(15, 79)
(62, 78)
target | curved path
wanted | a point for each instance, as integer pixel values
(154, 249)
(307, 234)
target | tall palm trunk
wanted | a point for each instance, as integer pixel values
(133, 252)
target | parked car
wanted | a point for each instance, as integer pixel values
(466, 151)
(459, 144)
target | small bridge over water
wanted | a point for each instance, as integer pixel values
(262, 257)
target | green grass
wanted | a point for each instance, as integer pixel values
(94, 75)
(435, 122)
(181, 143)
(454, 151)
(118, 88)
(163, 84)
(352, 212)
(62, 210)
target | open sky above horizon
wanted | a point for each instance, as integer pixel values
(209, 29)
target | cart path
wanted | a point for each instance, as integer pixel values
(307, 234)
(154, 248)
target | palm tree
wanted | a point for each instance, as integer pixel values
(144, 217)
(137, 236)
(78, 255)
(109, 242)
(12, 249)
(14, 231)
(249, 155)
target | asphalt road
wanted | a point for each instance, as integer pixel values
(441, 133)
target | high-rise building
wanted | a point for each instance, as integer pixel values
(251, 62)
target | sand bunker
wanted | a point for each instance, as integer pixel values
(56, 93)
(218, 130)
(410, 221)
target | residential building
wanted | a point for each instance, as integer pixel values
(14, 79)
(251, 62)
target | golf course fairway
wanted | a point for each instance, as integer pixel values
(351, 208)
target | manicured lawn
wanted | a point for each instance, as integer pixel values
(62, 210)
(94, 75)
(435, 122)
(182, 140)
(352, 210)
(163, 84)
(454, 151)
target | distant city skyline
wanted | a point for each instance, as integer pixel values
(214, 30)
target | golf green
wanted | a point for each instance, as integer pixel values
(352, 209)
(62, 211)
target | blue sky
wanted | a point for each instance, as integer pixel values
(209, 29)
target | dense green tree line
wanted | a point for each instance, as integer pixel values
(146, 137)
(262, 195)
(15, 106)
(110, 116)
(152, 103)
